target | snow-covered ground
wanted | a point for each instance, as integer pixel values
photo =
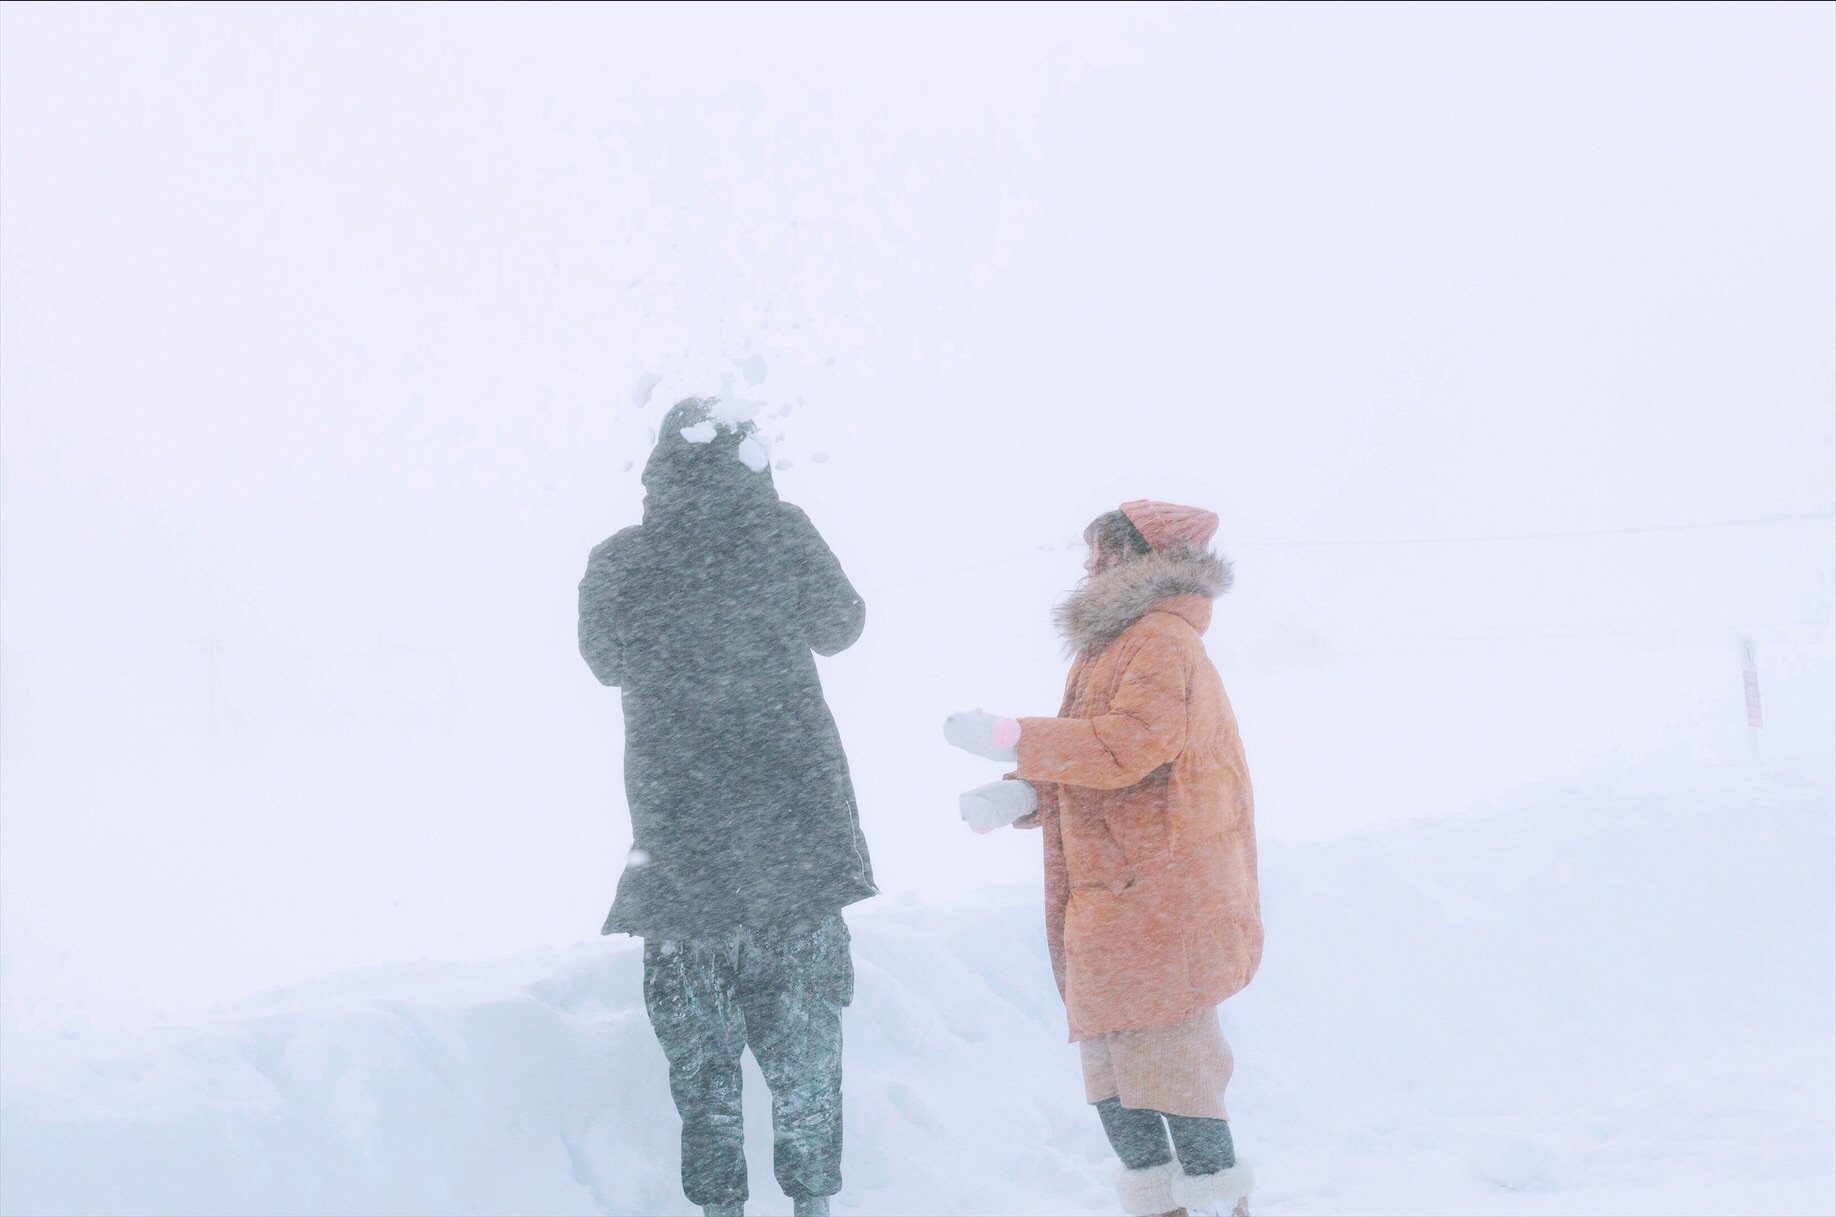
(1617, 996)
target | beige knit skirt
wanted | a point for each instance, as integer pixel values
(1181, 1068)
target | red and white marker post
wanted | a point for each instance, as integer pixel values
(1749, 674)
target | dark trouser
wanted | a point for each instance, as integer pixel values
(1140, 1139)
(781, 993)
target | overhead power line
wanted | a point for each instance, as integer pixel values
(1227, 544)
(1753, 522)
(1354, 643)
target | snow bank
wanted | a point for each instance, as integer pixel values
(1614, 999)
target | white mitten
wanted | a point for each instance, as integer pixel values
(987, 735)
(998, 804)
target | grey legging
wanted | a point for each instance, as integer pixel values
(1140, 1139)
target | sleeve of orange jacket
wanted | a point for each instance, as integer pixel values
(1047, 807)
(1144, 728)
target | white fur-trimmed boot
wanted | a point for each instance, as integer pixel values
(1225, 1193)
(1148, 1193)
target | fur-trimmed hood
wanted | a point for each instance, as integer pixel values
(1104, 605)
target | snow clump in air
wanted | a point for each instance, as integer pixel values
(752, 454)
(645, 386)
(726, 417)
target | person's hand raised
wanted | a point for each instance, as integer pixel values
(987, 735)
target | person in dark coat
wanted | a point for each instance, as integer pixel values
(746, 837)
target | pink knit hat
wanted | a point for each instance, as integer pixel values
(1165, 525)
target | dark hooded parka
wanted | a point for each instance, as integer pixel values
(708, 616)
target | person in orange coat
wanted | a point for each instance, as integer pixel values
(1141, 790)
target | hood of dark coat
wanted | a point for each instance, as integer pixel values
(687, 483)
(1104, 605)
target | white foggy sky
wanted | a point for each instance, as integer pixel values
(319, 328)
